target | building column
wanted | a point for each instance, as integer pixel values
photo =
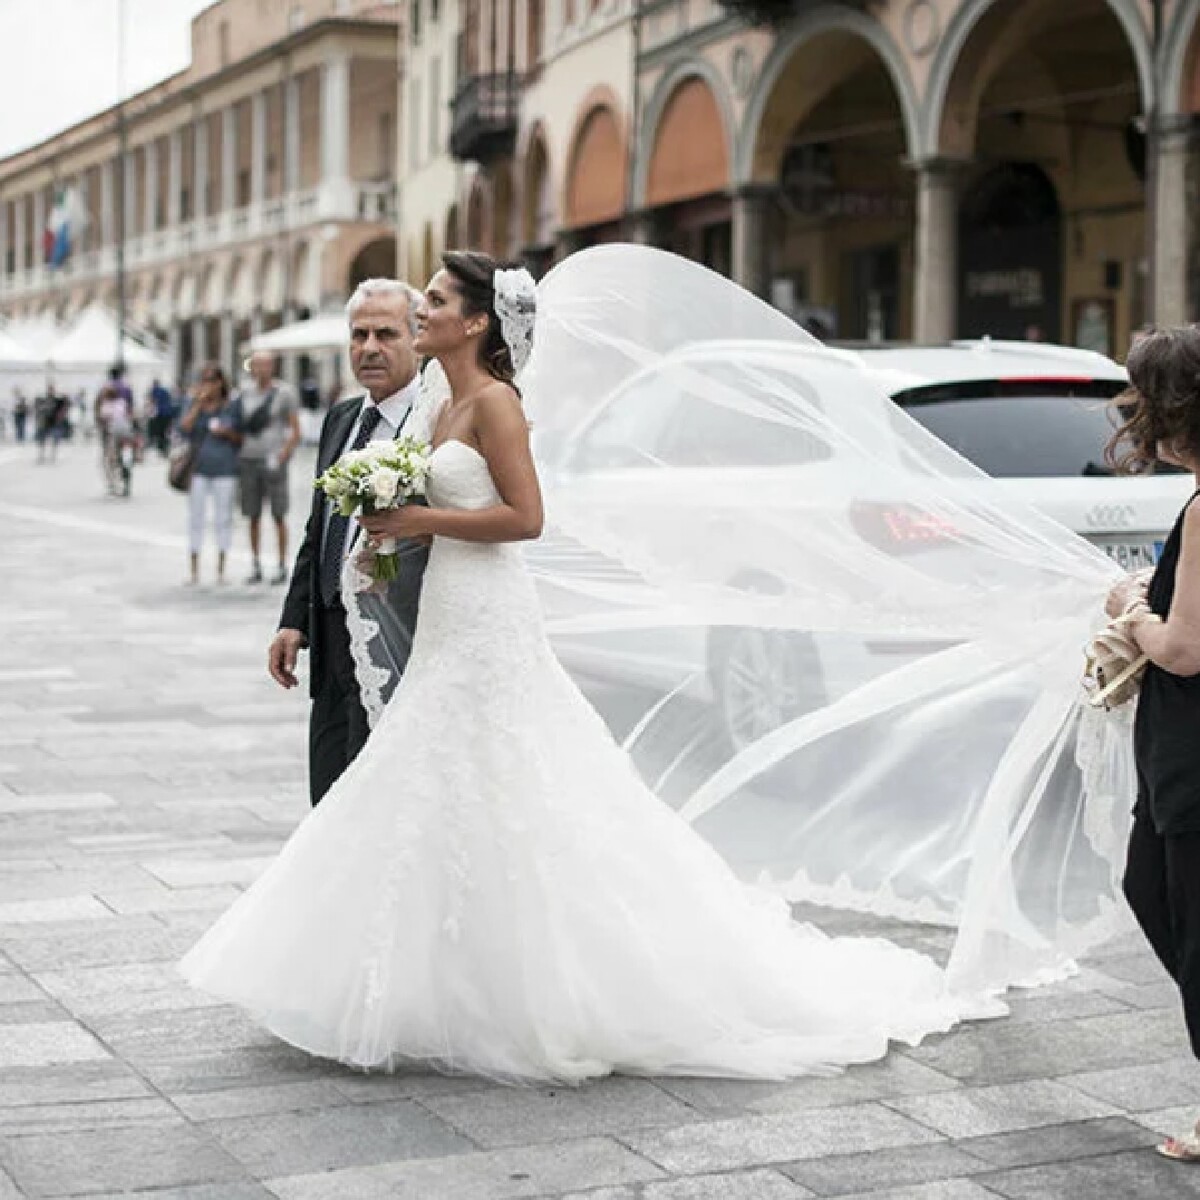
(175, 179)
(175, 349)
(935, 304)
(291, 135)
(335, 132)
(5, 245)
(130, 195)
(108, 211)
(751, 264)
(199, 340)
(226, 350)
(151, 221)
(39, 228)
(258, 148)
(229, 159)
(200, 165)
(1170, 227)
(19, 236)
(88, 239)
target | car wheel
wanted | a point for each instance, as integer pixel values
(762, 679)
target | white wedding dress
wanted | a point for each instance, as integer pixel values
(491, 888)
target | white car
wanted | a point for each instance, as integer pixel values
(1034, 416)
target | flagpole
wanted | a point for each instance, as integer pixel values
(119, 189)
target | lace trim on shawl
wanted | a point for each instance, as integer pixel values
(368, 648)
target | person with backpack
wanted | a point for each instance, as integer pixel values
(271, 432)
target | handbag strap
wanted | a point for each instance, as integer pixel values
(1100, 699)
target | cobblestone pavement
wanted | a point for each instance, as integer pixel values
(148, 769)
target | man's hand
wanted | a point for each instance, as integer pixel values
(282, 653)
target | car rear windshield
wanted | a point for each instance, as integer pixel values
(1011, 428)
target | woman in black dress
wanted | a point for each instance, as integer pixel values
(1162, 874)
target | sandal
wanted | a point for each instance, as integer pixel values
(1184, 1149)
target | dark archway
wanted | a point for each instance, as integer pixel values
(375, 260)
(1010, 255)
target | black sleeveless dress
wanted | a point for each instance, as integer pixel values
(1166, 731)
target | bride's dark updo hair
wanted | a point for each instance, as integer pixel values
(473, 273)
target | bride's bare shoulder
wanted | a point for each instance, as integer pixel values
(498, 403)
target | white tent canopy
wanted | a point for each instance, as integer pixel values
(36, 334)
(90, 343)
(329, 331)
(16, 356)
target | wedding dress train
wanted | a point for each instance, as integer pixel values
(491, 888)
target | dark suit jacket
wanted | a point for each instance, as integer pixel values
(304, 592)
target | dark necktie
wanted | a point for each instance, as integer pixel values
(333, 551)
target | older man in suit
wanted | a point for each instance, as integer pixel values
(381, 330)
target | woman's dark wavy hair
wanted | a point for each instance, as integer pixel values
(473, 272)
(1162, 403)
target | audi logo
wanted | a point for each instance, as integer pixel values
(1110, 516)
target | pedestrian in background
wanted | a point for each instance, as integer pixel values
(213, 425)
(20, 415)
(271, 432)
(160, 410)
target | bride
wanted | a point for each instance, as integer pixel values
(490, 887)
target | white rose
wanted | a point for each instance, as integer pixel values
(384, 483)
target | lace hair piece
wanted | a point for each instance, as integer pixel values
(515, 299)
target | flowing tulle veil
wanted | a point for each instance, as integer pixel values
(714, 476)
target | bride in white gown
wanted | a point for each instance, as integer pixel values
(491, 887)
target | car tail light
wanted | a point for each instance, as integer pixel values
(900, 528)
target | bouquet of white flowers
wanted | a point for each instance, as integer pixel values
(382, 475)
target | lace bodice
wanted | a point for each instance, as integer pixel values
(459, 477)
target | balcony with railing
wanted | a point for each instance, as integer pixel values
(485, 112)
(778, 12)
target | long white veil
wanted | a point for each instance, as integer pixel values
(846, 654)
(837, 647)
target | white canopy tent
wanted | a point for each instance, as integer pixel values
(20, 369)
(82, 355)
(325, 332)
(36, 334)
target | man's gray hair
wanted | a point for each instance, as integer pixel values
(371, 288)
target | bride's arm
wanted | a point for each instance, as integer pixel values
(503, 435)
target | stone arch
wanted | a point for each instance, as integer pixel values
(375, 259)
(952, 62)
(537, 205)
(681, 81)
(504, 211)
(427, 258)
(478, 229)
(830, 20)
(305, 277)
(239, 287)
(211, 294)
(1180, 60)
(183, 295)
(270, 286)
(594, 186)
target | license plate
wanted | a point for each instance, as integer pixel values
(1134, 556)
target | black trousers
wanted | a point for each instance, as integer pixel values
(1162, 885)
(337, 727)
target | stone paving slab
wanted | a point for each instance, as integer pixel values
(147, 776)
